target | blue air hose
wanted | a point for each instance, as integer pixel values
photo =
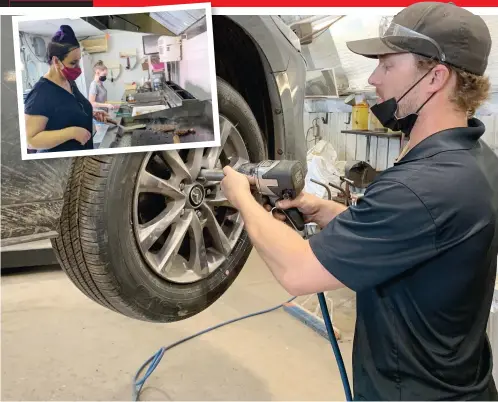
(154, 360)
(335, 346)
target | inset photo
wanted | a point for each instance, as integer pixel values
(108, 84)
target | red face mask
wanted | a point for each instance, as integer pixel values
(71, 74)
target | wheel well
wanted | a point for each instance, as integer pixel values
(239, 63)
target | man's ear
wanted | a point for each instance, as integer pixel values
(439, 77)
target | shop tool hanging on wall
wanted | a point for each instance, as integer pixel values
(95, 45)
(129, 54)
(114, 69)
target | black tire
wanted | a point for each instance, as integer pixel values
(97, 248)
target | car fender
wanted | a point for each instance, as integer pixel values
(287, 66)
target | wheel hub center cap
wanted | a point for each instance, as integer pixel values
(196, 195)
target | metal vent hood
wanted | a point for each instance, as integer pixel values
(158, 23)
(178, 21)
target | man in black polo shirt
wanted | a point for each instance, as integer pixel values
(420, 247)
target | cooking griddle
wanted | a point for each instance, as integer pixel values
(150, 136)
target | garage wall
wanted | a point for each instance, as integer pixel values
(195, 74)
(383, 151)
(119, 41)
(330, 50)
(36, 65)
(194, 67)
(357, 68)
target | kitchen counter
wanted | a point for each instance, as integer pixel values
(115, 138)
(184, 115)
(109, 137)
(146, 137)
(106, 133)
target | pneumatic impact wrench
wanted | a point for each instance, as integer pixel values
(276, 180)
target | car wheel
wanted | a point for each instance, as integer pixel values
(140, 233)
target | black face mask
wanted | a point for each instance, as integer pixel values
(103, 78)
(386, 112)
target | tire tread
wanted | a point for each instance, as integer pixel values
(87, 183)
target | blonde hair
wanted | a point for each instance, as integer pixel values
(471, 90)
(99, 66)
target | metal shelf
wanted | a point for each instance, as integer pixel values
(369, 134)
(396, 134)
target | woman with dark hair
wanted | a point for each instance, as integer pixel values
(58, 116)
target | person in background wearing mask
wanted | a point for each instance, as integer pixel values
(58, 117)
(420, 247)
(97, 94)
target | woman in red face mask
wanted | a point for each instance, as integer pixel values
(58, 116)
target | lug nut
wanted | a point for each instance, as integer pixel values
(182, 212)
(182, 186)
(199, 214)
(208, 191)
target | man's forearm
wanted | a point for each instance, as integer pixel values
(288, 256)
(282, 249)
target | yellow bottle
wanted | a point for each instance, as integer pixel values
(360, 116)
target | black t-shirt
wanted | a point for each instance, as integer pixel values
(420, 249)
(62, 109)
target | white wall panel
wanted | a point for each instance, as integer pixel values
(492, 70)
(382, 153)
(195, 74)
(357, 68)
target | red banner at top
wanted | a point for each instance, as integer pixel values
(287, 3)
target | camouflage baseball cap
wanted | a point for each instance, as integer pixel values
(442, 31)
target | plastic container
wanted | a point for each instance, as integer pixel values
(360, 116)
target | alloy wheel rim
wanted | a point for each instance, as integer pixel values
(184, 226)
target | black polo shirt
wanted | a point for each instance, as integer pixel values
(420, 249)
(62, 109)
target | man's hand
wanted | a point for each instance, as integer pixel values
(313, 208)
(236, 186)
(289, 256)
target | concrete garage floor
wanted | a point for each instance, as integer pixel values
(59, 345)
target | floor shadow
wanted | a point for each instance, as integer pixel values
(12, 272)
